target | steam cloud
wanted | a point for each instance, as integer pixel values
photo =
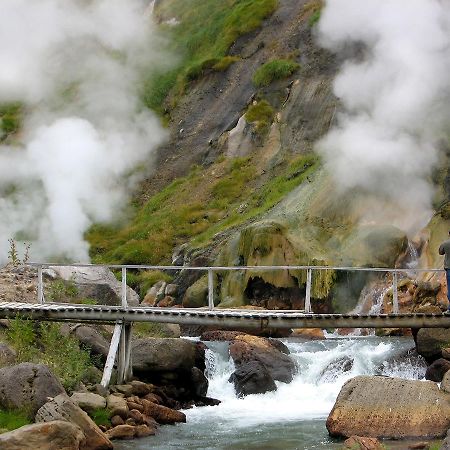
(395, 96)
(76, 66)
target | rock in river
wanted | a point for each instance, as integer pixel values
(386, 407)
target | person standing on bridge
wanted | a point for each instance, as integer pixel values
(444, 249)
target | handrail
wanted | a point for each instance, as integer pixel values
(230, 268)
(211, 269)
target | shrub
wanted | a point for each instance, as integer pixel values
(101, 416)
(261, 114)
(276, 69)
(59, 290)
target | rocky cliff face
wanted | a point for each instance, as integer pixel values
(257, 194)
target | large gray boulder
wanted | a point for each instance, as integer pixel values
(394, 408)
(91, 338)
(98, 283)
(27, 386)
(56, 435)
(431, 341)
(163, 355)
(252, 378)
(62, 408)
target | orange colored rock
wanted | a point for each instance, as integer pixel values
(162, 414)
(144, 430)
(363, 443)
(309, 333)
(121, 432)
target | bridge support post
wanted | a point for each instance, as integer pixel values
(210, 289)
(40, 286)
(394, 293)
(120, 349)
(308, 291)
(124, 367)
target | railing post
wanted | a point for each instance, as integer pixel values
(40, 286)
(124, 288)
(308, 291)
(394, 294)
(210, 289)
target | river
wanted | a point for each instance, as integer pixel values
(294, 416)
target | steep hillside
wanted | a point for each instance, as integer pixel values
(238, 181)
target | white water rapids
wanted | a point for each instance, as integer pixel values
(294, 416)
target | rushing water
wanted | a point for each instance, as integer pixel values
(294, 416)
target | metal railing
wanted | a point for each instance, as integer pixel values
(211, 269)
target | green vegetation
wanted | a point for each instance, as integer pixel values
(261, 114)
(313, 9)
(10, 420)
(43, 343)
(58, 290)
(273, 70)
(195, 208)
(101, 416)
(201, 48)
(10, 119)
(223, 64)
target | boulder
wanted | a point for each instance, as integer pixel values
(196, 295)
(246, 348)
(91, 338)
(56, 435)
(363, 443)
(98, 283)
(437, 370)
(155, 294)
(157, 355)
(446, 353)
(117, 406)
(121, 432)
(220, 335)
(445, 383)
(144, 430)
(252, 377)
(199, 382)
(27, 386)
(392, 408)
(162, 414)
(139, 388)
(7, 355)
(62, 408)
(431, 341)
(88, 401)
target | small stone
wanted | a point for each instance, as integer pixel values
(117, 420)
(363, 443)
(131, 422)
(419, 446)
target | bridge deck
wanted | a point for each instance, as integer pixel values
(218, 317)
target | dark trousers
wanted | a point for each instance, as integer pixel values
(447, 273)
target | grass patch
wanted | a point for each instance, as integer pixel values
(44, 344)
(202, 38)
(11, 420)
(101, 416)
(273, 70)
(261, 114)
(223, 64)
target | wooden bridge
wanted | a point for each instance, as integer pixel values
(124, 316)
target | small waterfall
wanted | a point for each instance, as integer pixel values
(412, 256)
(150, 8)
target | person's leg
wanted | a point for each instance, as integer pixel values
(447, 273)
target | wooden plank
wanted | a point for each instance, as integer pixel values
(109, 365)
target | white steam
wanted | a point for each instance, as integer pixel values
(76, 65)
(394, 92)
